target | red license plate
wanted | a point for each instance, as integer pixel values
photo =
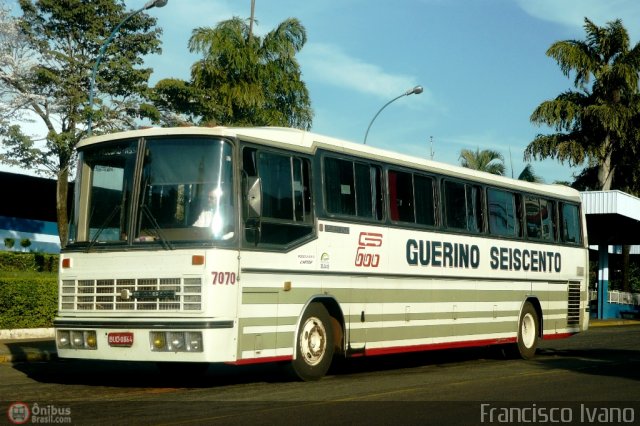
(120, 339)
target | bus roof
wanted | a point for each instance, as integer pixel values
(308, 142)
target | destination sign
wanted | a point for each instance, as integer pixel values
(445, 254)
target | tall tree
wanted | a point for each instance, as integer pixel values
(242, 79)
(594, 123)
(45, 73)
(529, 175)
(486, 160)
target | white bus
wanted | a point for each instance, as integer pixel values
(250, 245)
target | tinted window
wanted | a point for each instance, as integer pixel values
(401, 204)
(353, 189)
(277, 185)
(424, 200)
(570, 224)
(502, 213)
(540, 218)
(411, 198)
(463, 206)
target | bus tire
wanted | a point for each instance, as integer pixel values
(314, 344)
(528, 332)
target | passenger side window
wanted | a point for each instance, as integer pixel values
(570, 224)
(463, 206)
(424, 200)
(353, 188)
(540, 218)
(503, 220)
(401, 205)
(411, 198)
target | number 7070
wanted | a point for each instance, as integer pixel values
(223, 278)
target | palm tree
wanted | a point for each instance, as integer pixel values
(529, 175)
(242, 79)
(595, 122)
(485, 161)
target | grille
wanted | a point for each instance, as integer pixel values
(134, 294)
(573, 310)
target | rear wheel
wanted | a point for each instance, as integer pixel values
(528, 331)
(314, 344)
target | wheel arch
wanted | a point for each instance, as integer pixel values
(535, 302)
(337, 320)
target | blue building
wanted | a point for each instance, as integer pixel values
(28, 210)
(613, 219)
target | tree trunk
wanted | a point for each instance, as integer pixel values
(251, 19)
(62, 190)
(605, 168)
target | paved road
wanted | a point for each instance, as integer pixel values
(592, 376)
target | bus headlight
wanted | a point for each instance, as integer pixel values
(63, 339)
(175, 341)
(77, 339)
(194, 342)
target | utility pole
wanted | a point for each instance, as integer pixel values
(431, 153)
(511, 161)
(251, 19)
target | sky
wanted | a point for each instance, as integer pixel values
(482, 65)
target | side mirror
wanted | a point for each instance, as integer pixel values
(254, 197)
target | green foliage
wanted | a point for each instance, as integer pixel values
(529, 175)
(485, 161)
(28, 302)
(28, 262)
(28, 290)
(9, 243)
(560, 146)
(241, 80)
(46, 62)
(599, 122)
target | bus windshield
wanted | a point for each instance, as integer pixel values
(155, 190)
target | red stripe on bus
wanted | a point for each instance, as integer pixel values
(437, 346)
(248, 361)
(558, 336)
(406, 349)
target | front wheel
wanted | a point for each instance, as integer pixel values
(528, 332)
(314, 344)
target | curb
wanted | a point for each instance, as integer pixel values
(27, 333)
(27, 345)
(609, 323)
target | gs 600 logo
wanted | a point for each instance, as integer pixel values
(366, 254)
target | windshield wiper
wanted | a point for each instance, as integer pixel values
(165, 242)
(102, 227)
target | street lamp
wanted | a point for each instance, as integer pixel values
(416, 90)
(148, 5)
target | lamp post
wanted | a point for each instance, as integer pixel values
(103, 48)
(416, 90)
